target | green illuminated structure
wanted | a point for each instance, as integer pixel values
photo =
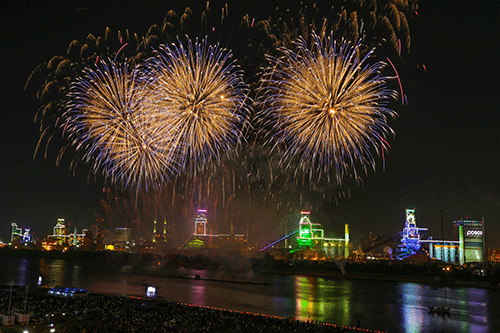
(311, 236)
(471, 238)
(308, 232)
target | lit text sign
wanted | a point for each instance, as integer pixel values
(472, 232)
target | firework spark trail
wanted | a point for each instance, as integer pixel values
(403, 96)
(106, 120)
(327, 107)
(205, 100)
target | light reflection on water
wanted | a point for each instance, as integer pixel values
(397, 307)
(23, 271)
(304, 303)
(412, 313)
(318, 298)
(470, 308)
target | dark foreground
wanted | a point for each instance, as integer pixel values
(108, 313)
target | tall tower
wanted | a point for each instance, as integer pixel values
(410, 236)
(200, 223)
(346, 244)
(16, 232)
(60, 228)
(308, 231)
(74, 237)
(165, 230)
(155, 235)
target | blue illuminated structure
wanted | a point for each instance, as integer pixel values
(410, 236)
(469, 247)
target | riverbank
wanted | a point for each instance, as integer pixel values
(432, 273)
(438, 282)
(436, 274)
(70, 254)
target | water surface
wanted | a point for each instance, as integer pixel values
(381, 305)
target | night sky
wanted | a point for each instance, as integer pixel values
(443, 158)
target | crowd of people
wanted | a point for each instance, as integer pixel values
(109, 313)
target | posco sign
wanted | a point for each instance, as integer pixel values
(474, 233)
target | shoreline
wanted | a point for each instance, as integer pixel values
(429, 273)
(437, 281)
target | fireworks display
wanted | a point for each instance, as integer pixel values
(325, 106)
(106, 119)
(177, 116)
(203, 96)
(186, 108)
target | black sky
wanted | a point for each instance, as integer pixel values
(444, 157)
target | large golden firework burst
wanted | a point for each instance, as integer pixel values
(325, 108)
(107, 121)
(203, 98)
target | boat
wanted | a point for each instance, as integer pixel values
(441, 310)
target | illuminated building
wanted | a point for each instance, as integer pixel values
(59, 228)
(18, 234)
(26, 236)
(471, 238)
(311, 235)
(308, 232)
(200, 223)
(121, 239)
(468, 248)
(495, 255)
(446, 251)
(201, 238)
(61, 236)
(122, 235)
(410, 236)
(411, 243)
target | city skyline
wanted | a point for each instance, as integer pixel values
(443, 157)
